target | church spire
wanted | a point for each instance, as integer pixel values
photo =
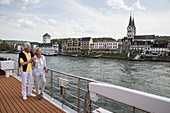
(133, 23)
(130, 21)
(131, 29)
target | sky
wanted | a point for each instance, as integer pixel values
(30, 19)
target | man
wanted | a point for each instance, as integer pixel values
(26, 70)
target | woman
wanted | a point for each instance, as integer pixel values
(40, 67)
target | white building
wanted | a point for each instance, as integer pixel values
(105, 45)
(49, 48)
(46, 38)
(160, 46)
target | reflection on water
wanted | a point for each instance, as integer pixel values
(151, 77)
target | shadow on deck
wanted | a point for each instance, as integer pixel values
(11, 100)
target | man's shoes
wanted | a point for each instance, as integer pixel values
(24, 97)
(32, 95)
(39, 96)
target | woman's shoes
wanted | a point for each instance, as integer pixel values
(39, 96)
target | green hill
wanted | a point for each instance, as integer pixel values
(167, 38)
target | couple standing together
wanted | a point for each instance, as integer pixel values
(32, 69)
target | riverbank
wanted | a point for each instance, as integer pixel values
(110, 56)
(117, 56)
(157, 58)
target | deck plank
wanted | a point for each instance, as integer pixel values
(4, 103)
(7, 100)
(10, 95)
(11, 99)
(2, 107)
(31, 101)
(16, 96)
(43, 103)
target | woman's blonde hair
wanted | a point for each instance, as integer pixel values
(36, 50)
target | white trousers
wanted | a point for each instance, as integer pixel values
(43, 82)
(27, 75)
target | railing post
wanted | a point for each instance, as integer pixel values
(51, 84)
(134, 109)
(78, 92)
(18, 71)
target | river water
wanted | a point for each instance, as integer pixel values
(151, 77)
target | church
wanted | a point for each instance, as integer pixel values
(136, 42)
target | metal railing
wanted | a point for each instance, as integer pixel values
(75, 87)
(76, 94)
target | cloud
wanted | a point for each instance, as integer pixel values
(102, 9)
(33, 2)
(52, 21)
(24, 8)
(138, 5)
(6, 1)
(26, 23)
(118, 4)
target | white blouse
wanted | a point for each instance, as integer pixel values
(38, 69)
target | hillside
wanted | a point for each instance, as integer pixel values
(167, 38)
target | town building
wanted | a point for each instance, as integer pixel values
(142, 42)
(131, 29)
(160, 46)
(46, 38)
(47, 48)
(136, 42)
(72, 44)
(105, 45)
(86, 43)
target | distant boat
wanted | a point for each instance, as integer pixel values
(97, 56)
(49, 54)
(138, 57)
(75, 55)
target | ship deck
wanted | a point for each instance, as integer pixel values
(11, 100)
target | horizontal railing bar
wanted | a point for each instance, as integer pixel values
(82, 78)
(77, 88)
(74, 96)
(69, 94)
(95, 105)
(47, 91)
(67, 102)
(56, 88)
(63, 100)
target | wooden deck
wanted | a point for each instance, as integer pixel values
(11, 100)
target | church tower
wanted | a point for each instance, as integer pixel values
(131, 29)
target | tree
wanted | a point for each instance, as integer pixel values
(167, 38)
(4, 46)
